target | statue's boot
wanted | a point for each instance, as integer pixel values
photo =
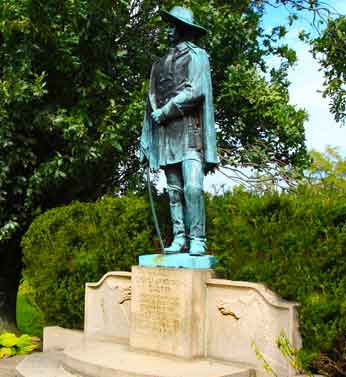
(195, 217)
(177, 215)
(177, 246)
(197, 247)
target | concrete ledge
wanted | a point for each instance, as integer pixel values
(116, 274)
(180, 260)
(271, 297)
(56, 338)
(96, 358)
(42, 365)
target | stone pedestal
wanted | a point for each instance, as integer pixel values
(168, 310)
(171, 322)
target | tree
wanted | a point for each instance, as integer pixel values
(73, 82)
(329, 49)
(327, 170)
(70, 110)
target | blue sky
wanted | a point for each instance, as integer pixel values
(307, 80)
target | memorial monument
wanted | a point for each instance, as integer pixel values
(179, 128)
(159, 321)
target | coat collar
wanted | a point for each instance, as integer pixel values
(184, 46)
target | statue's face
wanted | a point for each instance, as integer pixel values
(175, 34)
(172, 35)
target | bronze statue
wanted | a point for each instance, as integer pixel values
(179, 128)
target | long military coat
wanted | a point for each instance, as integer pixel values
(191, 94)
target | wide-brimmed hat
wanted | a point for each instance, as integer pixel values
(184, 17)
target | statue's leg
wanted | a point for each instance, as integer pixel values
(193, 176)
(175, 192)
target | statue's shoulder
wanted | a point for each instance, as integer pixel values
(199, 51)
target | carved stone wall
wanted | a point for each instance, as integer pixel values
(187, 313)
(107, 307)
(243, 316)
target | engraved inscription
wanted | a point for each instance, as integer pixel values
(159, 305)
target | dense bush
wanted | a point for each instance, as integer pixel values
(29, 317)
(295, 243)
(68, 246)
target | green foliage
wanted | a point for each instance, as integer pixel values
(78, 244)
(265, 365)
(29, 317)
(74, 133)
(295, 244)
(73, 84)
(329, 49)
(290, 353)
(327, 170)
(11, 345)
(257, 125)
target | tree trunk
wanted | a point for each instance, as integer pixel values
(10, 273)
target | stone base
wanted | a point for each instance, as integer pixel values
(97, 358)
(168, 310)
(148, 318)
(180, 260)
(57, 338)
(46, 364)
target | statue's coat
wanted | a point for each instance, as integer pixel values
(196, 93)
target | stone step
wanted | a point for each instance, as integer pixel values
(44, 364)
(8, 366)
(105, 359)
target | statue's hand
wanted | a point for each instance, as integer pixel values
(145, 163)
(157, 116)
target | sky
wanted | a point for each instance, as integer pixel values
(306, 82)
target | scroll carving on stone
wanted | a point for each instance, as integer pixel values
(125, 294)
(225, 309)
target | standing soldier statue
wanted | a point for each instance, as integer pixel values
(179, 128)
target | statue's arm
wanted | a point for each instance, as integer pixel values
(152, 83)
(192, 94)
(151, 105)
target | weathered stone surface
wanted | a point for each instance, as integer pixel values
(180, 260)
(241, 314)
(56, 338)
(96, 358)
(168, 310)
(107, 307)
(8, 366)
(47, 364)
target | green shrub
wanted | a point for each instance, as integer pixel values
(69, 246)
(30, 319)
(11, 345)
(294, 243)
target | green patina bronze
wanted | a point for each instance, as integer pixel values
(179, 134)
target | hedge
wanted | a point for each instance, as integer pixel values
(71, 245)
(295, 243)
